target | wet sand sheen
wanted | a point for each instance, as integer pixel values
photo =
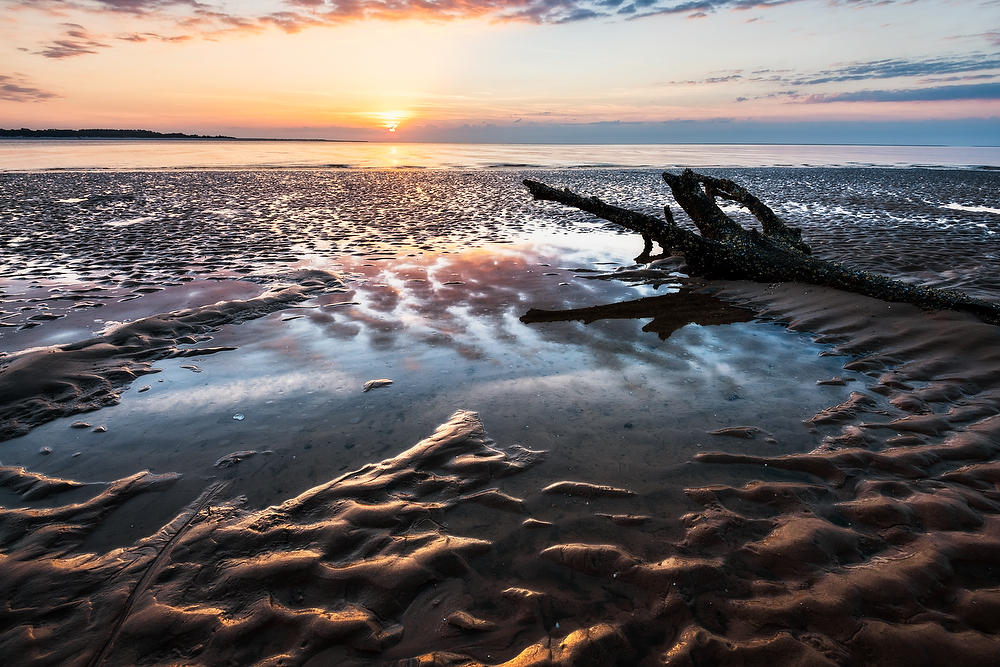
(821, 490)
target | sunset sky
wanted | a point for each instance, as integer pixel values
(826, 71)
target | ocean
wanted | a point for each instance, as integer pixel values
(86, 154)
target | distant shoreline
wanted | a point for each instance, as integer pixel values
(25, 133)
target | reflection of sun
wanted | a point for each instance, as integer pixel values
(391, 119)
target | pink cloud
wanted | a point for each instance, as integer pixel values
(15, 88)
(76, 41)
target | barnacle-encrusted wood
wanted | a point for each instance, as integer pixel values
(726, 250)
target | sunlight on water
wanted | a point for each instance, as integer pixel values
(32, 155)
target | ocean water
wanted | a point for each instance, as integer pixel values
(75, 154)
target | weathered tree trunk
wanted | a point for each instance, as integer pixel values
(726, 250)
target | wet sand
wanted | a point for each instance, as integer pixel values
(611, 472)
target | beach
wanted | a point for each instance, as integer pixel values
(564, 457)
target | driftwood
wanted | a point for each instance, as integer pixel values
(726, 250)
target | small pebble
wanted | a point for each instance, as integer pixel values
(101, 429)
(79, 425)
(45, 451)
(146, 388)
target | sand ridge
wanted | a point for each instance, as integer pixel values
(326, 575)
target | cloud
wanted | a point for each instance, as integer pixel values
(721, 78)
(929, 73)
(179, 20)
(76, 41)
(969, 67)
(926, 71)
(120, 6)
(702, 8)
(14, 88)
(151, 37)
(899, 67)
(294, 15)
(961, 77)
(290, 21)
(980, 91)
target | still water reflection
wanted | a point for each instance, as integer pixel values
(613, 396)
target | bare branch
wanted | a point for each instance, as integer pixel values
(774, 227)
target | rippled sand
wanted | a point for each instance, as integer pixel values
(612, 471)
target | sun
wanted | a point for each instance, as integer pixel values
(391, 120)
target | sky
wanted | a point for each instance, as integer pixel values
(541, 71)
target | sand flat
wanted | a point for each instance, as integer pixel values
(530, 488)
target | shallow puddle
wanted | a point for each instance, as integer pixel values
(612, 399)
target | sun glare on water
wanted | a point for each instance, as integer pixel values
(391, 120)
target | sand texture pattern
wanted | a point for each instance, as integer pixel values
(733, 473)
(334, 574)
(878, 547)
